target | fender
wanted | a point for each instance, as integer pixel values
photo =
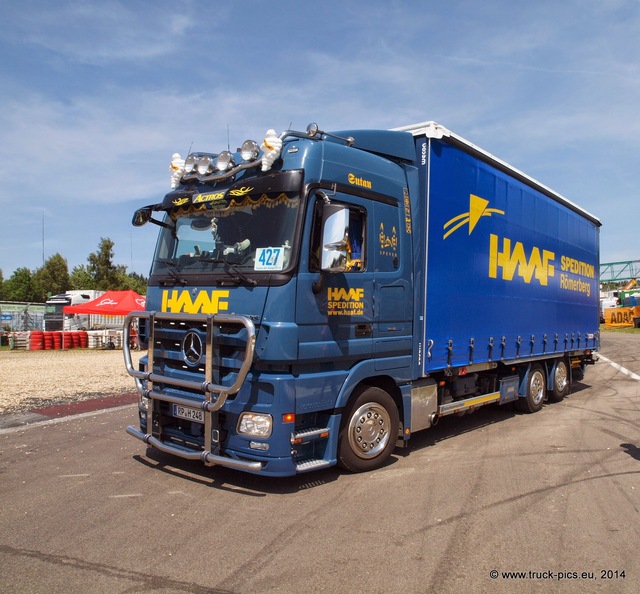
(365, 371)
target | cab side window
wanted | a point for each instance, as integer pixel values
(356, 246)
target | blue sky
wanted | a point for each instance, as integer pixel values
(95, 97)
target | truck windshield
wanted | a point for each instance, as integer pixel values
(248, 233)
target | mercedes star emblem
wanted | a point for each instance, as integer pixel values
(192, 348)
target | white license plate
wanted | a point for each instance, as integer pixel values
(191, 414)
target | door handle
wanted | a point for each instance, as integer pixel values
(363, 330)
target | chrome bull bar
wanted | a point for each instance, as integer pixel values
(205, 456)
(215, 395)
(208, 387)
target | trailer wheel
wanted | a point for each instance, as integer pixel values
(560, 385)
(369, 430)
(536, 389)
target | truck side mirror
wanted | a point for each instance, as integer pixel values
(141, 217)
(335, 238)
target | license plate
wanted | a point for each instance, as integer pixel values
(191, 414)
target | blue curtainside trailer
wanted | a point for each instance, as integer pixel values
(512, 267)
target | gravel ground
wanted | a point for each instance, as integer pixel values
(35, 379)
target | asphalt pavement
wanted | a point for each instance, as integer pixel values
(495, 501)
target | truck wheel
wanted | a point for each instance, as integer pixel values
(536, 389)
(369, 430)
(560, 386)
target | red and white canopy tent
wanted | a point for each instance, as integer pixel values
(112, 303)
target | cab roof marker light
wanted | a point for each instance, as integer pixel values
(314, 131)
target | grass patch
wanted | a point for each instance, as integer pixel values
(626, 330)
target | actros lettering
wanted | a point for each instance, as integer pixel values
(175, 301)
(510, 260)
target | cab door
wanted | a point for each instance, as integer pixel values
(334, 309)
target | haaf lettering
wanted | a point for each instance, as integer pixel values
(175, 301)
(345, 294)
(539, 264)
(345, 302)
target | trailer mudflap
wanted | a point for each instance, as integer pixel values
(509, 388)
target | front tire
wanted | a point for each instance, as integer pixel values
(369, 430)
(536, 390)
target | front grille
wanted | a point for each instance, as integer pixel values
(214, 352)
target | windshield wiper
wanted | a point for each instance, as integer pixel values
(173, 270)
(230, 269)
(239, 274)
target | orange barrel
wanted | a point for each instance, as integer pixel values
(36, 340)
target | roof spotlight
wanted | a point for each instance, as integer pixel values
(249, 150)
(204, 165)
(190, 163)
(224, 161)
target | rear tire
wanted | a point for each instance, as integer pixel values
(369, 430)
(536, 391)
(560, 386)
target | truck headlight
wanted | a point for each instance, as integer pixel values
(255, 424)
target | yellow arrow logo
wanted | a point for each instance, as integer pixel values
(477, 210)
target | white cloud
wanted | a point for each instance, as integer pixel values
(97, 95)
(101, 32)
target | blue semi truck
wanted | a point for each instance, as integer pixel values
(318, 298)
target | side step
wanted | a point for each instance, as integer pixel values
(468, 404)
(307, 435)
(310, 465)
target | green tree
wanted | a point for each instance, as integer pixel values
(21, 286)
(53, 278)
(1, 285)
(81, 278)
(139, 283)
(134, 282)
(107, 275)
